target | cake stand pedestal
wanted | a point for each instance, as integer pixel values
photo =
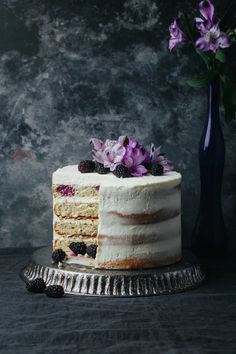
(80, 280)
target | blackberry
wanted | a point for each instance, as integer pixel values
(54, 291)
(122, 171)
(78, 247)
(86, 166)
(58, 255)
(92, 250)
(157, 170)
(147, 165)
(36, 286)
(99, 168)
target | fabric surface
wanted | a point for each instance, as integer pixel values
(198, 321)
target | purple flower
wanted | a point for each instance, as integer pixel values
(176, 35)
(134, 157)
(109, 153)
(156, 156)
(128, 152)
(125, 151)
(212, 37)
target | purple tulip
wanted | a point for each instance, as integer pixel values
(176, 35)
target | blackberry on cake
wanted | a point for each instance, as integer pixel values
(157, 170)
(54, 291)
(99, 168)
(36, 286)
(92, 251)
(147, 165)
(78, 248)
(58, 255)
(86, 166)
(122, 171)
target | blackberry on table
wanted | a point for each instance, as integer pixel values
(86, 166)
(78, 247)
(92, 251)
(157, 170)
(58, 255)
(36, 286)
(122, 171)
(54, 291)
(99, 168)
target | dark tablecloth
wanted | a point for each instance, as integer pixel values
(198, 321)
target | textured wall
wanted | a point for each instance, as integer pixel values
(74, 69)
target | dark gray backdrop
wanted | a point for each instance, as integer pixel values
(70, 70)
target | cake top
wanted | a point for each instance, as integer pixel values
(70, 175)
(123, 158)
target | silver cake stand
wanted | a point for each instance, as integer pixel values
(80, 280)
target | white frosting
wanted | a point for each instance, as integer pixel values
(71, 175)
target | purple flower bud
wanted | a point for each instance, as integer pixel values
(176, 35)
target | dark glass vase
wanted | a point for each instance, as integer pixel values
(209, 234)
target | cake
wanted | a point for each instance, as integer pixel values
(127, 216)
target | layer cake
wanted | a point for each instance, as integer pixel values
(134, 222)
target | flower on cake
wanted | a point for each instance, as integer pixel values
(158, 157)
(129, 153)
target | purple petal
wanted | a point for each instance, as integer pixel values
(128, 161)
(139, 171)
(202, 44)
(223, 40)
(207, 9)
(203, 25)
(176, 35)
(97, 143)
(168, 166)
(172, 43)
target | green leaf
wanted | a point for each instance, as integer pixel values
(187, 27)
(201, 81)
(220, 55)
(228, 97)
(206, 58)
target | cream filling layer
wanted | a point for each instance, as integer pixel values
(82, 200)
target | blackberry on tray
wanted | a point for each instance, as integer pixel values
(58, 255)
(36, 286)
(54, 291)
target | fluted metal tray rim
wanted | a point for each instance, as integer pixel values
(76, 280)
